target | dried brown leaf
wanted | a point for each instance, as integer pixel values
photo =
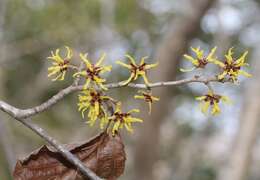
(104, 154)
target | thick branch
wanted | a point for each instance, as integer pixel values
(26, 113)
(65, 153)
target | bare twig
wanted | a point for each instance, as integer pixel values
(66, 154)
(26, 113)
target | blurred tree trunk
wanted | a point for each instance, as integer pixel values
(241, 155)
(169, 54)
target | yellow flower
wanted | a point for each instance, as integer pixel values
(92, 71)
(212, 100)
(137, 70)
(200, 61)
(120, 119)
(147, 97)
(232, 66)
(92, 101)
(59, 64)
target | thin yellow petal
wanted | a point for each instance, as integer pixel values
(69, 53)
(150, 107)
(137, 74)
(134, 111)
(54, 68)
(211, 93)
(129, 79)
(128, 127)
(96, 108)
(191, 59)
(228, 56)
(143, 60)
(217, 62)
(86, 85)
(83, 110)
(139, 97)
(187, 70)
(63, 76)
(211, 54)
(115, 127)
(101, 59)
(84, 58)
(155, 98)
(200, 98)
(241, 60)
(118, 107)
(199, 53)
(132, 60)
(215, 109)
(244, 73)
(204, 107)
(102, 86)
(149, 66)
(105, 69)
(81, 73)
(221, 76)
(99, 80)
(57, 52)
(132, 120)
(57, 78)
(53, 58)
(52, 72)
(145, 79)
(123, 64)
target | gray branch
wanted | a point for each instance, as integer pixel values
(22, 115)
(26, 113)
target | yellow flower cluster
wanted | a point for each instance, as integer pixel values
(212, 100)
(200, 60)
(94, 102)
(92, 98)
(92, 72)
(147, 97)
(59, 64)
(121, 119)
(231, 67)
(230, 70)
(137, 70)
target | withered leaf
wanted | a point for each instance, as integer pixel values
(104, 154)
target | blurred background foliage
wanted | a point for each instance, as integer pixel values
(190, 146)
